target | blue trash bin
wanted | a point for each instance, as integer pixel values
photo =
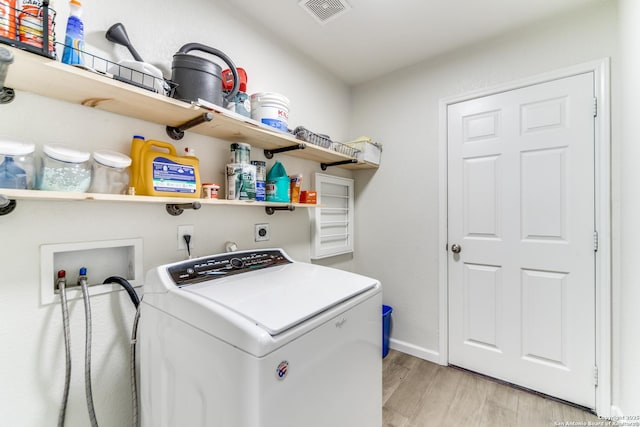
(386, 326)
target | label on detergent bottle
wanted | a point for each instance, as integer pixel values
(241, 181)
(275, 123)
(8, 18)
(261, 174)
(173, 177)
(30, 21)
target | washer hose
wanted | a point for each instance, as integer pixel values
(127, 286)
(82, 281)
(62, 281)
(134, 338)
(132, 368)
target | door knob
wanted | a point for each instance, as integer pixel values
(456, 249)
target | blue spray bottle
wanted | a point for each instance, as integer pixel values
(74, 38)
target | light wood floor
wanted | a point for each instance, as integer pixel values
(417, 393)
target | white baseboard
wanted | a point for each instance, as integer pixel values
(414, 350)
(616, 412)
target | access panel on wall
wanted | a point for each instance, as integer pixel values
(333, 220)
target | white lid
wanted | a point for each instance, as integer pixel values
(112, 159)
(269, 96)
(279, 298)
(15, 148)
(65, 154)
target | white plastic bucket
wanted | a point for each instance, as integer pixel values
(271, 109)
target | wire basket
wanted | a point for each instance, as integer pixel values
(32, 30)
(123, 73)
(344, 149)
(324, 141)
(306, 135)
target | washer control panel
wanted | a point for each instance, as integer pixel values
(225, 265)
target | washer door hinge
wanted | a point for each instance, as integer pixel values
(595, 107)
(595, 241)
(595, 376)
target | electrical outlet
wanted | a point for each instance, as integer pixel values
(262, 232)
(182, 231)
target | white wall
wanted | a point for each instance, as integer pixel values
(32, 352)
(398, 237)
(397, 205)
(627, 316)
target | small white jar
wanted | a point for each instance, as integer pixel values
(110, 172)
(17, 165)
(64, 169)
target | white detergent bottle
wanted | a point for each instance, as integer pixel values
(74, 38)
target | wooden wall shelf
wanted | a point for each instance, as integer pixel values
(53, 79)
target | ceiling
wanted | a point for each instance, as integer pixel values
(375, 37)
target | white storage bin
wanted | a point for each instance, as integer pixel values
(368, 150)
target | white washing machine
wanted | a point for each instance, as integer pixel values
(256, 339)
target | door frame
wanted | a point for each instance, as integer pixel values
(602, 138)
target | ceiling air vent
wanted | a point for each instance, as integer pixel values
(325, 10)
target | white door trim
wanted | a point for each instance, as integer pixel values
(600, 68)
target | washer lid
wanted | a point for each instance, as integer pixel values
(279, 298)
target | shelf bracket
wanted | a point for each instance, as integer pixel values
(177, 133)
(269, 153)
(6, 95)
(324, 166)
(176, 209)
(6, 205)
(270, 210)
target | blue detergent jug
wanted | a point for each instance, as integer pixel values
(278, 186)
(11, 175)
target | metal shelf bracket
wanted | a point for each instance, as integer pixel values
(176, 209)
(6, 95)
(324, 166)
(6, 205)
(269, 153)
(177, 133)
(270, 210)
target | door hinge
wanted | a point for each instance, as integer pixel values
(595, 376)
(595, 241)
(595, 107)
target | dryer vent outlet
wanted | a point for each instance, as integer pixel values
(324, 11)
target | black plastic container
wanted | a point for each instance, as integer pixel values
(198, 78)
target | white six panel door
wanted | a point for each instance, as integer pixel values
(521, 207)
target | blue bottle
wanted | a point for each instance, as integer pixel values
(11, 175)
(74, 38)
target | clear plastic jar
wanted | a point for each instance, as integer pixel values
(110, 172)
(17, 165)
(64, 169)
